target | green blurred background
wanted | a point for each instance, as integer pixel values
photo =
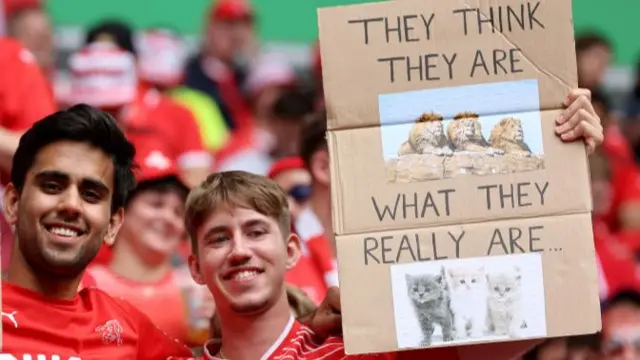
(293, 22)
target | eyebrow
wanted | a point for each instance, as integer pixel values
(221, 228)
(61, 176)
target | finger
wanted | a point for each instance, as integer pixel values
(581, 102)
(573, 121)
(574, 93)
(591, 145)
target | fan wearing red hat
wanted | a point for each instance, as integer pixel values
(229, 42)
(140, 269)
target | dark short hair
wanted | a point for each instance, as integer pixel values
(293, 104)
(313, 136)
(623, 296)
(590, 39)
(162, 185)
(121, 32)
(80, 123)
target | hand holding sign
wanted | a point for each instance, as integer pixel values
(580, 120)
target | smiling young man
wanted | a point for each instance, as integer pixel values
(70, 177)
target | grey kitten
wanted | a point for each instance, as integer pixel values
(431, 303)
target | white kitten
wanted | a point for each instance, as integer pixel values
(468, 300)
(505, 303)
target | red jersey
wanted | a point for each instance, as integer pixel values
(176, 304)
(296, 343)
(92, 325)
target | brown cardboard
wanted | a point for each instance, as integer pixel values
(442, 147)
(563, 243)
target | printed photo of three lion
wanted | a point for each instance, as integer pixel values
(464, 136)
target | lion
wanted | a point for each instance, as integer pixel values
(508, 136)
(465, 133)
(427, 137)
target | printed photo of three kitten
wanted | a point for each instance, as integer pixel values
(467, 302)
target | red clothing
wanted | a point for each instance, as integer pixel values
(93, 325)
(155, 114)
(296, 343)
(25, 95)
(617, 268)
(175, 303)
(313, 237)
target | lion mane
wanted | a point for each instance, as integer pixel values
(507, 135)
(465, 133)
(426, 137)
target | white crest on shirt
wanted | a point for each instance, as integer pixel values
(156, 159)
(111, 332)
(12, 317)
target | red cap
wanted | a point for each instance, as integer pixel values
(13, 6)
(231, 10)
(285, 164)
(154, 161)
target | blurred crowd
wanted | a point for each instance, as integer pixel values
(231, 106)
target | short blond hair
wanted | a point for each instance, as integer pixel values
(236, 189)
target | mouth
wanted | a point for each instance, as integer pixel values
(61, 230)
(242, 274)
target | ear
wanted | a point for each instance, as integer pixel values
(293, 250)
(11, 201)
(518, 277)
(320, 167)
(117, 218)
(408, 277)
(194, 269)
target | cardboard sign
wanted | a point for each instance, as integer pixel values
(450, 187)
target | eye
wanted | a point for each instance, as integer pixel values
(415, 289)
(462, 281)
(50, 187)
(507, 289)
(91, 196)
(256, 233)
(496, 289)
(473, 281)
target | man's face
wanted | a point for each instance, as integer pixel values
(592, 65)
(242, 259)
(229, 38)
(34, 30)
(620, 334)
(64, 214)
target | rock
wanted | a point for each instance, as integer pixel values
(415, 168)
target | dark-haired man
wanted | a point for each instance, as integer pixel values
(71, 174)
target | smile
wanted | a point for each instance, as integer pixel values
(242, 274)
(64, 231)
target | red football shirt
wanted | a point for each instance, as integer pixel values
(93, 325)
(296, 343)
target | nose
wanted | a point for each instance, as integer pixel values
(70, 203)
(240, 252)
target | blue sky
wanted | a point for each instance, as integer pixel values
(492, 101)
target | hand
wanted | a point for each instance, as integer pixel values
(326, 320)
(579, 120)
